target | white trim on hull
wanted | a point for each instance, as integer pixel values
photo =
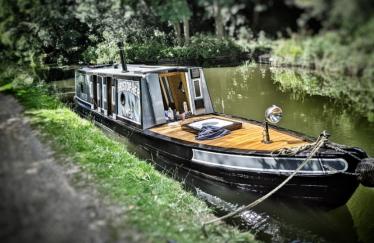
(267, 164)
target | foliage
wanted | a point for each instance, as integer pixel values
(345, 15)
(330, 51)
(39, 31)
(201, 47)
(173, 11)
(354, 92)
(260, 44)
(151, 202)
(59, 31)
(68, 31)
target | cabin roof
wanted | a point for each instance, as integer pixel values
(133, 70)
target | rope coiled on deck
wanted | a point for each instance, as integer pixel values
(292, 151)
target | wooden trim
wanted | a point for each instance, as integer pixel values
(170, 74)
(248, 137)
(163, 91)
(184, 81)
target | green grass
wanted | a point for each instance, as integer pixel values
(154, 205)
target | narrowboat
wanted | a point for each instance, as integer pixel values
(168, 111)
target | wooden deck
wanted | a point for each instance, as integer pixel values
(248, 137)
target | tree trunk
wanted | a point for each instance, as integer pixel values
(220, 32)
(186, 31)
(255, 17)
(177, 29)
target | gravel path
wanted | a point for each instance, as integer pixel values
(37, 203)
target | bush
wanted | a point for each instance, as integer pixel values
(201, 47)
(331, 51)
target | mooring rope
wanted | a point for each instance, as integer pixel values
(337, 149)
(318, 144)
(293, 150)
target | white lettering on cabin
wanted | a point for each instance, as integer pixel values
(126, 112)
(129, 87)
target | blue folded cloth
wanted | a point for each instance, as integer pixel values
(211, 132)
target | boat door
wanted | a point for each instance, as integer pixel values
(83, 89)
(113, 98)
(174, 91)
(105, 95)
(99, 93)
(93, 92)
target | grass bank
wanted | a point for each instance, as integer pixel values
(154, 205)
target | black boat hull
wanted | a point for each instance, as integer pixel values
(325, 190)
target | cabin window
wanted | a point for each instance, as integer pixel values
(165, 82)
(195, 73)
(196, 84)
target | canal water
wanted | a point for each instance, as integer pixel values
(311, 103)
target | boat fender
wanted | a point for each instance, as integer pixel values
(365, 172)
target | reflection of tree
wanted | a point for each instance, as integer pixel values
(309, 102)
(356, 94)
(237, 90)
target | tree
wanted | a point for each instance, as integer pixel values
(37, 31)
(216, 7)
(186, 31)
(346, 15)
(174, 11)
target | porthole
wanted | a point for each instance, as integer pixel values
(123, 99)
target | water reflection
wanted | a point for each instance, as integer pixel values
(247, 91)
(281, 221)
(354, 93)
(64, 90)
(311, 103)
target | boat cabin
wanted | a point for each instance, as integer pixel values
(141, 95)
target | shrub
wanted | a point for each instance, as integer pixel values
(201, 47)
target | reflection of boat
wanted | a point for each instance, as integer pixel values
(309, 224)
(135, 102)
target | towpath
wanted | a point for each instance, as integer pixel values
(37, 203)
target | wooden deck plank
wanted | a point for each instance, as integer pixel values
(248, 137)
